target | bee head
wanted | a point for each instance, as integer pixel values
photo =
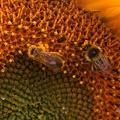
(93, 52)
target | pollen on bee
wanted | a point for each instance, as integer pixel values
(9, 23)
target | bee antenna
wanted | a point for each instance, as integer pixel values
(86, 47)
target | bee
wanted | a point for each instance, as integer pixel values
(96, 55)
(51, 59)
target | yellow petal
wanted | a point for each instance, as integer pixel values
(109, 11)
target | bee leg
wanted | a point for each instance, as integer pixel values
(103, 51)
(109, 60)
(94, 68)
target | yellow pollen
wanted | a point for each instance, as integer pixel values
(43, 68)
(66, 47)
(52, 40)
(117, 118)
(11, 60)
(44, 35)
(114, 94)
(19, 26)
(28, 45)
(55, 33)
(86, 42)
(34, 22)
(33, 36)
(113, 87)
(11, 46)
(93, 81)
(72, 54)
(12, 34)
(113, 80)
(22, 39)
(108, 113)
(81, 82)
(98, 96)
(96, 110)
(85, 72)
(46, 46)
(5, 32)
(74, 76)
(76, 64)
(80, 49)
(2, 70)
(9, 23)
(5, 43)
(20, 52)
(26, 27)
(75, 43)
(101, 90)
(101, 102)
(64, 71)
(92, 88)
(60, 51)
(42, 30)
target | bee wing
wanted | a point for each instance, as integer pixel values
(49, 59)
(103, 64)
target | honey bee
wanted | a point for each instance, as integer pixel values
(96, 55)
(51, 59)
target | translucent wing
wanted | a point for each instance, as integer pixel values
(103, 64)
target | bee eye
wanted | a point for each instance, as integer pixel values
(32, 51)
(93, 52)
(86, 47)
